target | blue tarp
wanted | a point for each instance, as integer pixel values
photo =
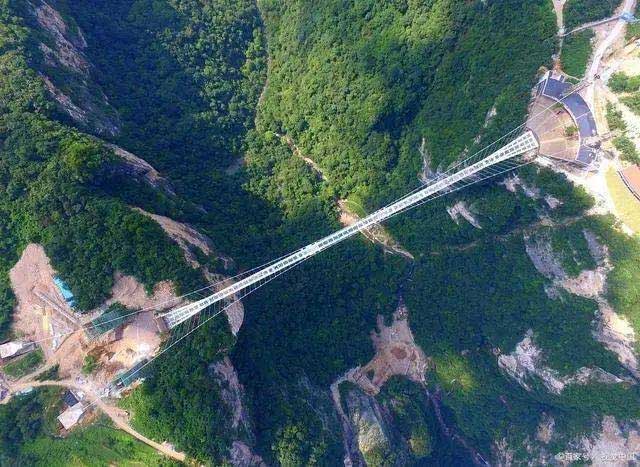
(65, 291)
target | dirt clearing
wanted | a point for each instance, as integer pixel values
(41, 311)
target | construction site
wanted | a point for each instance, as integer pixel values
(107, 340)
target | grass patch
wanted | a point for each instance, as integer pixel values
(24, 365)
(455, 373)
(89, 365)
(633, 31)
(355, 203)
(627, 205)
(576, 52)
(99, 444)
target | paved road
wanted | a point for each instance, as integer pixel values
(117, 415)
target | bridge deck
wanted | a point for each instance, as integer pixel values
(524, 143)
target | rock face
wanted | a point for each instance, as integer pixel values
(513, 182)
(370, 428)
(615, 444)
(184, 235)
(616, 334)
(232, 394)
(460, 209)
(65, 66)
(527, 362)
(612, 330)
(241, 455)
(139, 168)
(541, 254)
(68, 44)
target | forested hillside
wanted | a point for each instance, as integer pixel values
(231, 101)
(579, 12)
(52, 178)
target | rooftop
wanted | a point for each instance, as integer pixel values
(555, 87)
(70, 398)
(71, 416)
(15, 348)
(65, 291)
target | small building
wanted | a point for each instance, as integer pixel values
(631, 177)
(65, 291)
(555, 87)
(71, 416)
(15, 348)
(70, 399)
(25, 391)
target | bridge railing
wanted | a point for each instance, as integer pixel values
(524, 143)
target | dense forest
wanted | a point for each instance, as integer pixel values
(578, 12)
(215, 94)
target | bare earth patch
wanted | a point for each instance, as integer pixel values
(41, 312)
(397, 354)
(132, 294)
(42, 316)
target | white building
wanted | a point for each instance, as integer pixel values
(71, 416)
(15, 348)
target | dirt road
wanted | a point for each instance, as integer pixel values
(117, 415)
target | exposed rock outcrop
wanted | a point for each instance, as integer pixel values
(69, 43)
(527, 362)
(512, 183)
(139, 168)
(615, 444)
(71, 87)
(187, 238)
(460, 209)
(612, 330)
(232, 393)
(184, 235)
(371, 429)
(241, 455)
(542, 256)
(616, 334)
